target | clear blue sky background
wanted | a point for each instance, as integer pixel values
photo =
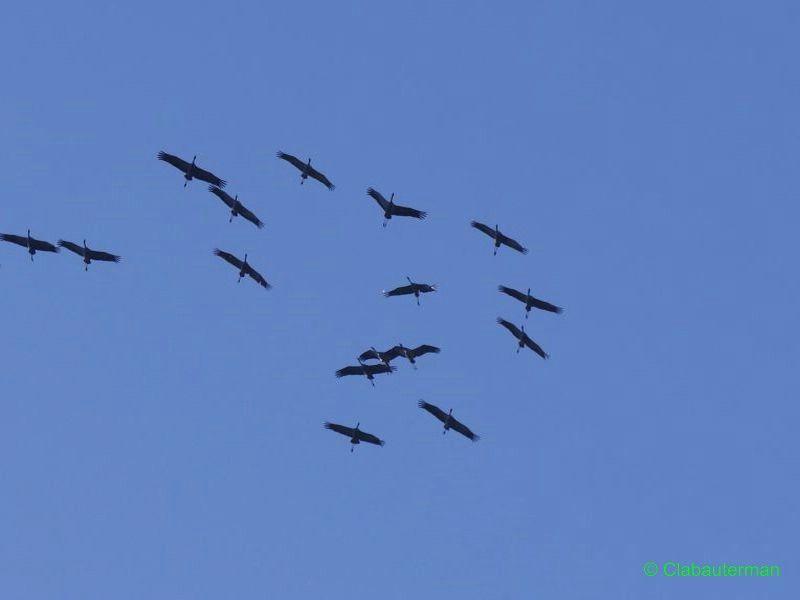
(161, 426)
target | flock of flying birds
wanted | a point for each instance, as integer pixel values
(382, 360)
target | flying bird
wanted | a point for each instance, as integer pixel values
(410, 353)
(499, 238)
(523, 338)
(529, 301)
(450, 422)
(237, 208)
(32, 244)
(243, 266)
(191, 170)
(368, 371)
(306, 170)
(373, 354)
(413, 288)
(355, 434)
(391, 209)
(88, 254)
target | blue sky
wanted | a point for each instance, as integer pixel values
(161, 429)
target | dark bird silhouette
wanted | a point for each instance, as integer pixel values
(529, 301)
(237, 208)
(243, 266)
(409, 353)
(88, 254)
(412, 353)
(355, 434)
(191, 170)
(373, 354)
(306, 170)
(499, 238)
(391, 209)
(413, 288)
(523, 338)
(368, 371)
(32, 244)
(450, 422)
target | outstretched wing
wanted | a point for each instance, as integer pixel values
(208, 177)
(14, 239)
(320, 177)
(378, 197)
(348, 431)
(176, 162)
(484, 228)
(292, 160)
(222, 195)
(42, 246)
(426, 349)
(407, 211)
(72, 247)
(463, 430)
(400, 291)
(434, 410)
(542, 305)
(104, 256)
(247, 214)
(228, 257)
(369, 355)
(513, 293)
(515, 331)
(425, 287)
(255, 275)
(369, 438)
(352, 370)
(393, 353)
(379, 368)
(536, 348)
(512, 243)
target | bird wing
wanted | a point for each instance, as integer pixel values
(176, 162)
(515, 331)
(255, 275)
(512, 243)
(463, 430)
(43, 246)
(292, 160)
(228, 257)
(434, 410)
(513, 293)
(426, 349)
(351, 370)
(400, 291)
(72, 247)
(103, 256)
(535, 347)
(222, 195)
(348, 431)
(369, 438)
(378, 197)
(208, 177)
(542, 305)
(247, 214)
(312, 172)
(407, 211)
(379, 368)
(369, 354)
(484, 228)
(14, 239)
(393, 353)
